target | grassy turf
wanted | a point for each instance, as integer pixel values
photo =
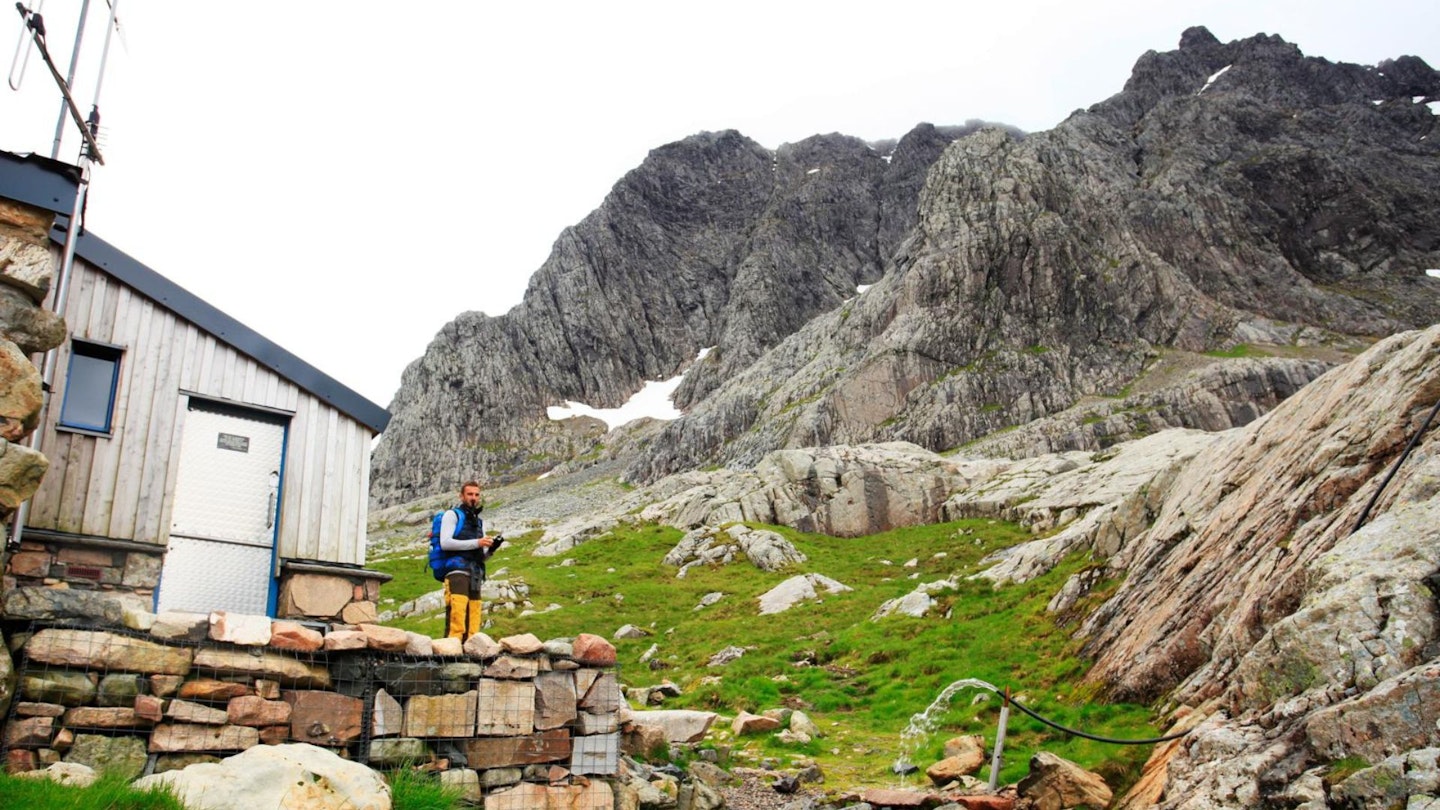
(860, 680)
(108, 793)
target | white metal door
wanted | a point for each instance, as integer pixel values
(227, 503)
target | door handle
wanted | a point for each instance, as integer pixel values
(270, 507)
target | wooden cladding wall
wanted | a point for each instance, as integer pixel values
(121, 486)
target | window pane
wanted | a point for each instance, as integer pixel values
(88, 390)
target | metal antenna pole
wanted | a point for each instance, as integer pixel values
(70, 78)
(105, 53)
(61, 292)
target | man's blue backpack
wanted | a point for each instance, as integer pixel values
(441, 561)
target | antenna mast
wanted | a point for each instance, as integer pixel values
(89, 130)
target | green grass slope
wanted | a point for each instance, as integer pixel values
(860, 680)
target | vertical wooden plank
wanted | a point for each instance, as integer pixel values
(332, 455)
(87, 504)
(104, 305)
(45, 505)
(224, 384)
(100, 320)
(132, 445)
(254, 386)
(160, 438)
(189, 355)
(172, 471)
(77, 306)
(314, 477)
(292, 496)
(367, 440)
(272, 389)
(349, 501)
(289, 396)
(124, 331)
(200, 382)
(117, 458)
(79, 453)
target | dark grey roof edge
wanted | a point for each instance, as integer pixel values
(39, 181)
(187, 305)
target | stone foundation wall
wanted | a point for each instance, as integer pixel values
(50, 564)
(498, 718)
(328, 593)
(56, 578)
(26, 328)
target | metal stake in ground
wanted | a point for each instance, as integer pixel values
(999, 741)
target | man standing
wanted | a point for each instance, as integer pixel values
(464, 546)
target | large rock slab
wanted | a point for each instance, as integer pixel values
(84, 648)
(324, 718)
(798, 589)
(527, 749)
(123, 756)
(279, 776)
(44, 604)
(597, 755)
(441, 716)
(1055, 783)
(273, 666)
(175, 737)
(1234, 539)
(506, 708)
(679, 725)
(21, 470)
(708, 545)
(314, 595)
(554, 700)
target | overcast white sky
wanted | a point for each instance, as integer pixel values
(346, 177)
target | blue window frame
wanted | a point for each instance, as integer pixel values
(90, 385)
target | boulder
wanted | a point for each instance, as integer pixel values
(295, 636)
(385, 639)
(448, 647)
(708, 545)
(679, 725)
(522, 644)
(235, 628)
(592, 650)
(314, 595)
(122, 756)
(21, 470)
(797, 589)
(1055, 783)
(747, 723)
(33, 328)
(7, 677)
(801, 722)
(725, 656)
(294, 776)
(174, 625)
(73, 774)
(481, 645)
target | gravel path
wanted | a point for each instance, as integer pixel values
(753, 791)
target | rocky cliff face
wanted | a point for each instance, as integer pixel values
(1230, 193)
(1290, 634)
(712, 241)
(1195, 209)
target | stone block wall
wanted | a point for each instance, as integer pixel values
(52, 577)
(328, 593)
(47, 563)
(502, 719)
(26, 328)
